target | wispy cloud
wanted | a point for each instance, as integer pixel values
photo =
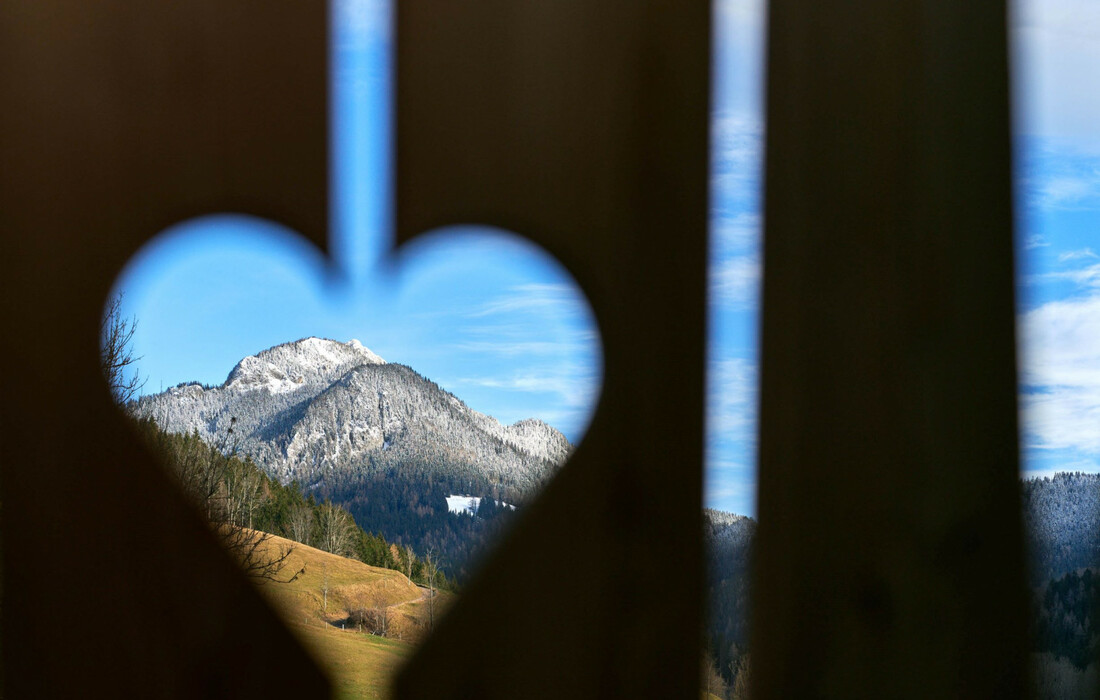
(1087, 277)
(575, 389)
(1036, 240)
(736, 159)
(538, 298)
(1067, 191)
(735, 216)
(534, 320)
(1057, 48)
(362, 19)
(735, 282)
(730, 484)
(1078, 255)
(749, 13)
(511, 348)
(731, 410)
(1059, 175)
(736, 233)
(1060, 352)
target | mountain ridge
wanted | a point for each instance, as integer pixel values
(315, 406)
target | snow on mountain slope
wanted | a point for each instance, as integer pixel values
(316, 407)
(310, 361)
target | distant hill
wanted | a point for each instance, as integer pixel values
(729, 540)
(1061, 518)
(1062, 524)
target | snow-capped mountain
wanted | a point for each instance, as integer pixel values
(315, 408)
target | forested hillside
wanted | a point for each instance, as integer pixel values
(376, 438)
(1061, 517)
(1062, 524)
(244, 505)
(729, 541)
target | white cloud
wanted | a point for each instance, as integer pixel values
(736, 233)
(737, 156)
(735, 282)
(1036, 240)
(1077, 255)
(1066, 191)
(733, 493)
(735, 219)
(563, 299)
(743, 14)
(529, 336)
(739, 55)
(574, 389)
(363, 19)
(1088, 277)
(1059, 175)
(1060, 365)
(1068, 418)
(1056, 46)
(509, 348)
(731, 412)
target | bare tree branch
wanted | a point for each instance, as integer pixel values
(116, 357)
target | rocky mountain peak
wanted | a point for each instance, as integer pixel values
(318, 408)
(309, 361)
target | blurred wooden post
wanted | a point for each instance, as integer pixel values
(890, 554)
(120, 118)
(889, 551)
(582, 125)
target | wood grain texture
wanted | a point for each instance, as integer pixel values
(121, 118)
(890, 558)
(582, 125)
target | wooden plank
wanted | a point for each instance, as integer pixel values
(583, 126)
(120, 118)
(889, 552)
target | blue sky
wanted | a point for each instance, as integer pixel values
(1058, 202)
(1056, 81)
(485, 314)
(501, 324)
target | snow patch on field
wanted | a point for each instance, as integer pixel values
(469, 504)
(463, 504)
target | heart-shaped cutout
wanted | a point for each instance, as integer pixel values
(493, 320)
(489, 316)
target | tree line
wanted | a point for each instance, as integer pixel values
(245, 507)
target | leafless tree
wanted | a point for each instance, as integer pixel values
(260, 558)
(370, 612)
(243, 491)
(742, 682)
(381, 615)
(219, 484)
(301, 523)
(337, 529)
(431, 569)
(712, 681)
(324, 588)
(409, 559)
(116, 357)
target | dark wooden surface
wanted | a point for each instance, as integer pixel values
(582, 125)
(889, 550)
(120, 118)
